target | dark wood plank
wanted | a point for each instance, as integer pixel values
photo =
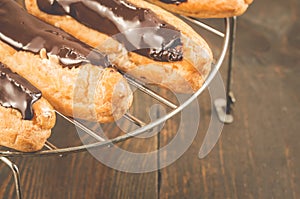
(256, 156)
(82, 175)
(6, 179)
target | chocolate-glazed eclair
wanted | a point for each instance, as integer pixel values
(141, 39)
(205, 8)
(26, 118)
(77, 80)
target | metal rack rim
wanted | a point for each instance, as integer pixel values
(142, 129)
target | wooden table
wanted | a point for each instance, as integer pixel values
(256, 156)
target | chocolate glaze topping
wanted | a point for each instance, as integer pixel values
(139, 29)
(16, 92)
(25, 32)
(177, 2)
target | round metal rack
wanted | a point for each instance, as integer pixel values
(143, 127)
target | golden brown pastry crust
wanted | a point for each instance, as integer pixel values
(26, 135)
(87, 92)
(182, 76)
(207, 8)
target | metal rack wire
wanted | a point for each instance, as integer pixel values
(143, 127)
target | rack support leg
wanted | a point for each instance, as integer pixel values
(224, 106)
(16, 175)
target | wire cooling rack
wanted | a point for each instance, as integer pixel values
(51, 149)
(142, 126)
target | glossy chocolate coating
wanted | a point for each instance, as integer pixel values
(139, 29)
(25, 32)
(16, 92)
(177, 2)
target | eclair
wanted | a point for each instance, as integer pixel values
(141, 39)
(77, 80)
(205, 8)
(26, 118)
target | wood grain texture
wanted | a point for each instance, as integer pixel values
(82, 175)
(256, 156)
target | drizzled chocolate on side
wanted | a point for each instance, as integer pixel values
(177, 2)
(141, 30)
(25, 32)
(16, 92)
